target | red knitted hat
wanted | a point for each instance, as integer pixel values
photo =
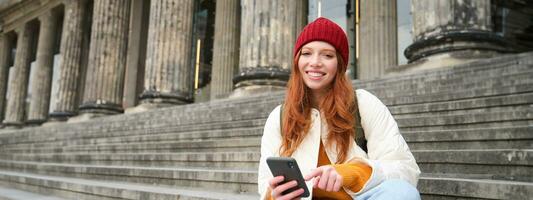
(323, 29)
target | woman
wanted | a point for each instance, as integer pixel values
(316, 127)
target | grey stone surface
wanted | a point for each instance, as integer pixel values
(75, 188)
(14, 194)
(42, 82)
(70, 69)
(107, 57)
(167, 77)
(468, 126)
(18, 88)
(378, 36)
(226, 47)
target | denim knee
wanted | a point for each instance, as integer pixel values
(399, 189)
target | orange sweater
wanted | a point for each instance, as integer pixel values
(355, 175)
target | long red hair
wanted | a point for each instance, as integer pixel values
(337, 107)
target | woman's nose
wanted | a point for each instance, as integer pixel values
(315, 61)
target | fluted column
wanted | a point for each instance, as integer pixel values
(18, 88)
(461, 28)
(66, 103)
(5, 50)
(268, 32)
(167, 77)
(226, 48)
(107, 58)
(378, 36)
(42, 80)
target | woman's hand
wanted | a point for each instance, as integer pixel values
(277, 189)
(326, 178)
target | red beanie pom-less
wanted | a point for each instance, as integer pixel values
(323, 29)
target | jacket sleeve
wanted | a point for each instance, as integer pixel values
(388, 153)
(270, 143)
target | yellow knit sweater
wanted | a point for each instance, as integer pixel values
(354, 175)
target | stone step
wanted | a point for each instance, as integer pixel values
(242, 132)
(133, 124)
(462, 187)
(519, 137)
(466, 117)
(425, 109)
(183, 108)
(508, 164)
(231, 180)
(240, 160)
(484, 68)
(77, 133)
(221, 145)
(7, 193)
(453, 86)
(443, 96)
(75, 188)
(464, 104)
(444, 78)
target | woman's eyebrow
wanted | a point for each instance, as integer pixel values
(312, 49)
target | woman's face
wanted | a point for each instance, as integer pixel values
(318, 65)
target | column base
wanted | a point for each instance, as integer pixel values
(60, 116)
(85, 117)
(100, 109)
(157, 97)
(450, 41)
(12, 125)
(259, 80)
(255, 90)
(442, 60)
(35, 122)
(146, 107)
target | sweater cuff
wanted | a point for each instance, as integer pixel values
(354, 175)
(268, 195)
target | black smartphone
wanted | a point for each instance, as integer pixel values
(288, 168)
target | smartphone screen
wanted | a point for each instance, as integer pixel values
(288, 168)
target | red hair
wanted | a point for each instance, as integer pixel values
(337, 107)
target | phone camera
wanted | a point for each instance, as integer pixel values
(291, 165)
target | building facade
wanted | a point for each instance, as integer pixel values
(64, 60)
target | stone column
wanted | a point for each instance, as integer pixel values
(66, 104)
(137, 36)
(5, 52)
(268, 32)
(18, 88)
(42, 80)
(167, 77)
(460, 29)
(226, 48)
(107, 58)
(378, 37)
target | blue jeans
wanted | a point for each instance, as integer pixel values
(392, 189)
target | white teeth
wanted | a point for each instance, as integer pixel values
(315, 74)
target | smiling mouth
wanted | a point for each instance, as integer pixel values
(315, 74)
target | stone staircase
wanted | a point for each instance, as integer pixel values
(470, 128)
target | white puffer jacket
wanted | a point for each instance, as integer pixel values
(388, 153)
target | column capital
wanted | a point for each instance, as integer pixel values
(47, 16)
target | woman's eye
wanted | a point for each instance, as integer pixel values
(329, 56)
(306, 53)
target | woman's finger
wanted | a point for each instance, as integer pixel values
(292, 195)
(331, 181)
(338, 183)
(324, 179)
(315, 182)
(315, 173)
(273, 182)
(276, 192)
